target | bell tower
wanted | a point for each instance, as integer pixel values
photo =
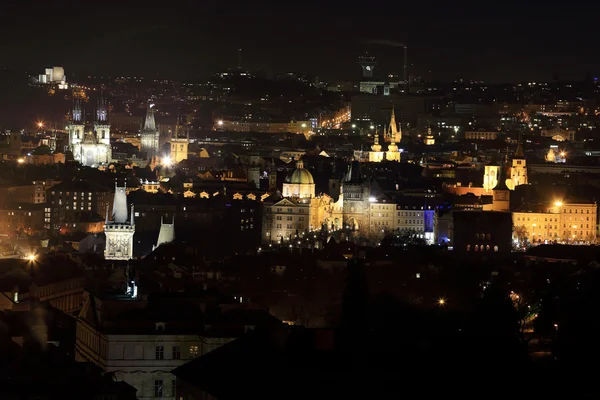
(76, 127)
(101, 125)
(518, 170)
(119, 230)
(180, 141)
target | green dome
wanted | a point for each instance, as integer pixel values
(300, 176)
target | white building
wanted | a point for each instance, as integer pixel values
(91, 148)
(121, 336)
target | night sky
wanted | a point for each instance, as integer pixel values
(487, 40)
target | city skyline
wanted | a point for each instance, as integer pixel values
(495, 42)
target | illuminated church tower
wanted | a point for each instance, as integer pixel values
(179, 143)
(101, 125)
(150, 135)
(394, 136)
(76, 126)
(119, 230)
(376, 155)
(518, 170)
(90, 148)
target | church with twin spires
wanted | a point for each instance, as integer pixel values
(392, 135)
(90, 144)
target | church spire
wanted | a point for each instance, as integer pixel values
(150, 123)
(520, 153)
(102, 110)
(77, 111)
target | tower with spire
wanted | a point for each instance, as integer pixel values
(180, 141)
(101, 125)
(394, 135)
(518, 170)
(120, 228)
(90, 147)
(149, 134)
(166, 233)
(76, 125)
(376, 155)
(501, 193)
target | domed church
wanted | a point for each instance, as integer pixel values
(299, 212)
(300, 183)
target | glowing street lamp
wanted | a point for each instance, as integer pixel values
(166, 161)
(220, 122)
(353, 126)
(441, 302)
(558, 203)
(40, 124)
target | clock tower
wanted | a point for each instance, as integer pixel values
(119, 230)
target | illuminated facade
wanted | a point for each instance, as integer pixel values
(376, 155)
(518, 170)
(179, 144)
(149, 136)
(91, 148)
(490, 176)
(299, 212)
(564, 223)
(120, 230)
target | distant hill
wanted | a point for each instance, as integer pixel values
(21, 104)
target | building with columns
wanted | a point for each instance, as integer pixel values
(120, 229)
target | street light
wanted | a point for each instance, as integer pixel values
(40, 124)
(220, 122)
(441, 301)
(353, 126)
(372, 127)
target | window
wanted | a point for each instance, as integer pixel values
(176, 353)
(193, 351)
(174, 387)
(160, 352)
(158, 388)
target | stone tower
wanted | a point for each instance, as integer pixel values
(149, 135)
(518, 170)
(180, 141)
(119, 230)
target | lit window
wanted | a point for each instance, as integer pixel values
(193, 351)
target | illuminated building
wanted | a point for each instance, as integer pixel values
(560, 222)
(150, 135)
(90, 148)
(179, 144)
(490, 176)
(518, 170)
(394, 135)
(376, 155)
(120, 229)
(299, 212)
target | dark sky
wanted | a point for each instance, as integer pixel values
(486, 40)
